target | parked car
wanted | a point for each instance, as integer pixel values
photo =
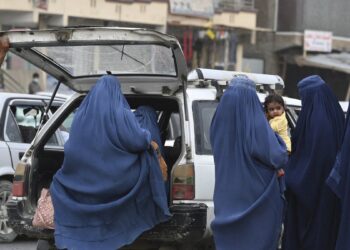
(20, 117)
(152, 71)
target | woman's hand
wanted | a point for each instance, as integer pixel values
(280, 172)
(4, 47)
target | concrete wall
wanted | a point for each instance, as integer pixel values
(331, 15)
(23, 13)
(266, 13)
(264, 49)
(22, 5)
(149, 13)
(188, 21)
(328, 15)
(288, 15)
(338, 81)
(244, 20)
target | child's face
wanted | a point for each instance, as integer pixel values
(274, 109)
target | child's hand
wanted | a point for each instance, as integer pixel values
(280, 172)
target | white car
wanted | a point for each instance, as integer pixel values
(20, 117)
(152, 71)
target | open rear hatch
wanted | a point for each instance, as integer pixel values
(145, 61)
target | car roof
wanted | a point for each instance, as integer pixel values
(201, 74)
(7, 95)
(209, 93)
(57, 96)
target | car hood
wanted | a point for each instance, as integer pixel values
(145, 61)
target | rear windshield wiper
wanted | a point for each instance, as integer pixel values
(126, 54)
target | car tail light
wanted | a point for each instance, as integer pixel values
(183, 182)
(18, 187)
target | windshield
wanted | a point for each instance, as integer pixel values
(118, 59)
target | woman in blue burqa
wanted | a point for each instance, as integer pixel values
(148, 119)
(313, 210)
(339, 182)
(110, 188)
(248, 199)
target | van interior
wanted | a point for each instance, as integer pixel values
(47, 159)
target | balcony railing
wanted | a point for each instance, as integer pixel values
(235, 5)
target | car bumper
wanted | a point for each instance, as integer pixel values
(188, 224)
(21, 222)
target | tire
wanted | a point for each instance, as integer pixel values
(6, 233)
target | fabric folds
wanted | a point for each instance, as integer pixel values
(248, 198)
(339, 182)
(313, 210)
(109, 189)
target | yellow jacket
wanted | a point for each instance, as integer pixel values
(280, 125)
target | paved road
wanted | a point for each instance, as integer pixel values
(19, 244)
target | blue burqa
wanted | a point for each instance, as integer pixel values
(248, 199)
(339, 182)
(147, 118)
(110, 187)
(313, 210)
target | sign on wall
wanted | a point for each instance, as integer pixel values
(200, 8)
(319, 41)
(41, 4)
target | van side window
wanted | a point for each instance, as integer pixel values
(28, 120)
(64, 129)
(203, 112)
(12, 132)
(173, 140)
(174, 127)
(25, 120)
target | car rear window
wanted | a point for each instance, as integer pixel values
(203, 112)
(118, 59)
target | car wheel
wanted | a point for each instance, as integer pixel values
(6, 232)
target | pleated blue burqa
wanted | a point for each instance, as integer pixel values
(110, 188)
(248, 200)
(313, 210)
(339, 182)
(147, 118)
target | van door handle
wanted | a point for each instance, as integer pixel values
(20, 155)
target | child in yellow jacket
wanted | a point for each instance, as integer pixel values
(275, 112)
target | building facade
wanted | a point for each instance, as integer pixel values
(213, 33)
(282, 46)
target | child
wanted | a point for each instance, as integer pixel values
(275, 112)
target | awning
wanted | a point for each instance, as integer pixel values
(333, 61)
